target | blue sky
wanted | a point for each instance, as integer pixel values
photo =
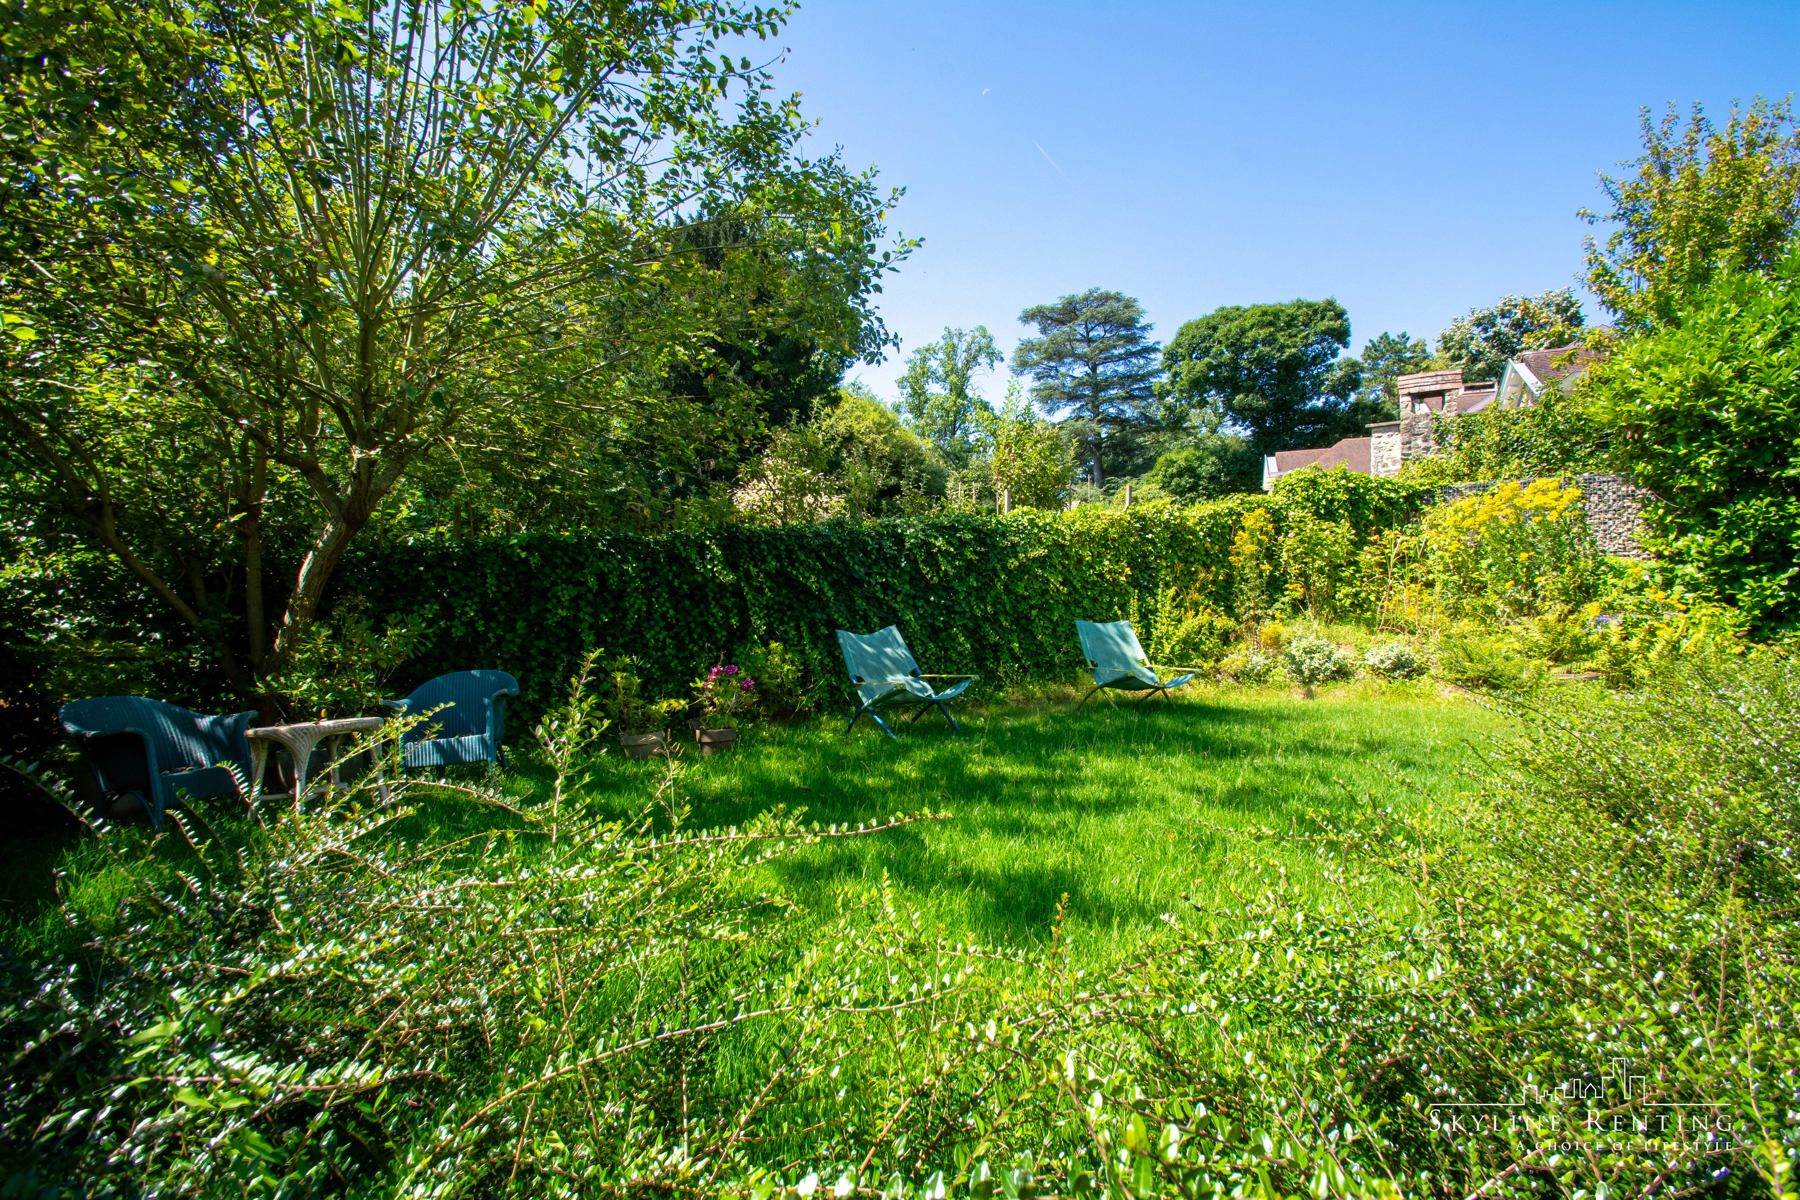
(1412, 160)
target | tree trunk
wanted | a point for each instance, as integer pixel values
(309, 587)
(349, 514)
(256, 624)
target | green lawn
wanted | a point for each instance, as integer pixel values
(1130, 809)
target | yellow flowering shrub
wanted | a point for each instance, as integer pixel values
(1514, 550)
(1642, 623)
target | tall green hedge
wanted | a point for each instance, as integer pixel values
(994, 596)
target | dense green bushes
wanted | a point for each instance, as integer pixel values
(1708, 416)
(989, 595)
(985, 594)
(1559, 435)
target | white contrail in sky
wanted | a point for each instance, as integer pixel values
(1053, 163)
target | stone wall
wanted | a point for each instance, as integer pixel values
(1384, 449)
(1614, 510)
(1418, 436)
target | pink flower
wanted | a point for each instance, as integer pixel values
(731, 669)
(747, 684)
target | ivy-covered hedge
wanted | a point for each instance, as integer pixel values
(988, 595)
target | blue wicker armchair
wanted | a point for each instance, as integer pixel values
(469, 721)
(159, 752)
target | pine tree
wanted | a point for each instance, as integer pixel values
(1094, 368)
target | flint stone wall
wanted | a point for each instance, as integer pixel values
(1613, 507)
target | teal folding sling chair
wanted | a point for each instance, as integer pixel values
(1116, 660)
(881, 666)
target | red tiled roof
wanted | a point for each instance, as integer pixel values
(1352, 453)
(1293, 460)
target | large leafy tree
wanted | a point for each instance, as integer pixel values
(263, 263)
(1481, 340)
(853, 458)
(1094, 367)
(1205, 466)
(1274, 371)
(649, 425)
(1387, 357)
(1699, 198)
(1707, 417)
(1032, 461)
(937, 392)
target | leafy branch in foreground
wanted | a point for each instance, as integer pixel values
(271, 1004)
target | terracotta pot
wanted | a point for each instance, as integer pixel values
(715, 741)
(643, 745)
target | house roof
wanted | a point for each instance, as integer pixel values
(1474, 398)
(1351, 452)
(1559, 362)
(1527, 374)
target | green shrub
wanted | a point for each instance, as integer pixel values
(1708, 417)
(1188, 633)
(1485, 661)
(342, 666)
(320, 1004)
(1618, 893)
(1251, 564)
(1512, 551)
(1559, 638)
(1247, 664)
(1558, 436)
(629, 708)
(1207, 466)
(1394, 660)
(780, 682)
(1366, 503)
(1314, 660)
(988, 595)
(1316, 558)
(978, 593)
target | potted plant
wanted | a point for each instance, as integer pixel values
(641, 722)
(723, 694)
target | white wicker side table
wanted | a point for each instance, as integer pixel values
(300, 739)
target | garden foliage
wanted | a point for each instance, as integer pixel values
(567, 1004)
(1513, 550)
(985, 595)
(273, 274)
(1314, 660)
(1701, 198)
(1708, 415)
(1393, 660)
(1559, 435)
